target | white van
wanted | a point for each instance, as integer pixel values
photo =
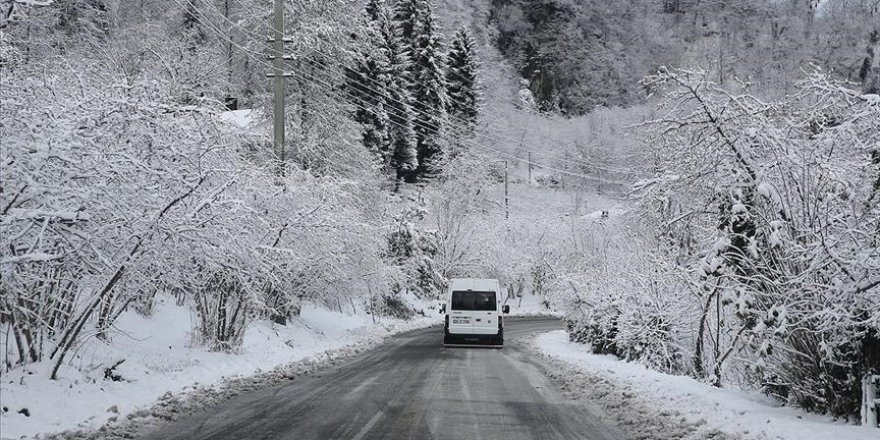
(473, 312)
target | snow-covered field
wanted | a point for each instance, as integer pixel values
(158, 358)
(678, 407)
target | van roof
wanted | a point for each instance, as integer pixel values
(479, 284)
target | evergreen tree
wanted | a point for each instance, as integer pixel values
(461, 82)
(379, 83)
(374, 9)
(428, 83)
(405, 15)
(870, 72)
(192, 23)
(366, 83)
(402, 136)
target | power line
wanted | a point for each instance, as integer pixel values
(330, 89)
(498, 134)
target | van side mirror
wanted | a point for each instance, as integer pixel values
(443, 308)
(505, 309)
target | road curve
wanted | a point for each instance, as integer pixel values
(410, 387)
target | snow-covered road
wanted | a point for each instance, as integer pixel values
(412, 387)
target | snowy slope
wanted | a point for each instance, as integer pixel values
(704, 409)
(159, 358)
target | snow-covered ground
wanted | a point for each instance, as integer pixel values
(641, 399)
(532, 305)
(158, 358)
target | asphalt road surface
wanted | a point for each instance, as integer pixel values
(410, 387)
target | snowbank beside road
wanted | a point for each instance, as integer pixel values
(704, 411)
(158, 358)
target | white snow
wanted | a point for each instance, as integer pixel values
(41, 213)
(249, 122)
(160, 358)
(746, 414)
(532, 305)
(244, 118)
(765, 189)
(34, 256)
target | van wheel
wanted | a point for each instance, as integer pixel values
(447, 339)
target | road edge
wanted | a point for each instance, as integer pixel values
(173, 406)
(636, 418)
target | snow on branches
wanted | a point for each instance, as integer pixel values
(112, 196)
(767, 214)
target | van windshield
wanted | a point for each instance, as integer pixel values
(469, 300)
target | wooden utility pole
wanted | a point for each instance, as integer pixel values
(530, 167)
(278, 76)
(229, 57)
(506, 203)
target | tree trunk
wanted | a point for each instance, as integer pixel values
(103, 315)
(870, 72)
(73, 331)
(221, 316)
(25, 324)
(699, 369)
(13, 325)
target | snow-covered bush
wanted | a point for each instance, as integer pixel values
(766, 216)
(594, 324)
(392, 305)
(758, 259)
(622, 303)
(413, 248)
(115, 192)
(646, 329)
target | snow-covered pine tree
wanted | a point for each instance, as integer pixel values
(193, 22)
(461, 81)
(405, 16)
(428, 83)
(374, 9)
(402, 135)
(91, 19)
(366, 82)
(870, 72)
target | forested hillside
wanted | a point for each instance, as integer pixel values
(754, 211)
(581, 54)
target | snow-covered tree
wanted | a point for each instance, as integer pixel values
(374, 9)
(404, 153)
(427, 83)
(405, 16)
(870, 72)
(752, 256)
(366, 83)
(151, 191)
(461, 82)
(763, 219)
(413, 248)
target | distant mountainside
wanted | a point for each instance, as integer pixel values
(579, 54)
